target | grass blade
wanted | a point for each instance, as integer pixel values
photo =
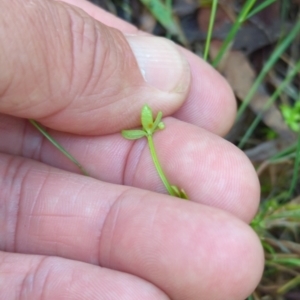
(233, 31)
(260, 7)
(210, 28)
(289, 285)
(58, 146)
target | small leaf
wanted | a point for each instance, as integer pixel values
(180, 193)
(161, 125)
(147, 119)
(157, 120)
(133, 134)
(175, 189)
(183, 194)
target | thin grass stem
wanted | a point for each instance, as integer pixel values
(158, 166)
(285, 152)
(260, 7)
(233, 31)
(210, 28)
(289, 285)
(58, 146)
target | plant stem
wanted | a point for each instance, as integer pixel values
(210, 29)
(260, 7)
(234, 29)
(58, 146)
(158, 167)
(289, 285)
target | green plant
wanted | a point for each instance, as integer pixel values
(291, 115)
(149, 127)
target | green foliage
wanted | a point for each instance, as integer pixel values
(149, 127)
(133, 134)
(291, 115)
(270, 134)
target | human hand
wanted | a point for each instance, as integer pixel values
(111, 235)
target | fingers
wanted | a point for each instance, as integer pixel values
(182, 247)
(210, 103)
(72, 73)
(211, 170)
(103, 16)
(74, 85)
(22, 277)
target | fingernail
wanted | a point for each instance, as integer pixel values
(161, 63)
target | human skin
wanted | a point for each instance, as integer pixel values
(82, 73)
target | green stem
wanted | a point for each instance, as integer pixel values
(158, 166)
(58, 146)
(233, 31)
(210, 29)
(260, 7)
(289, 285)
